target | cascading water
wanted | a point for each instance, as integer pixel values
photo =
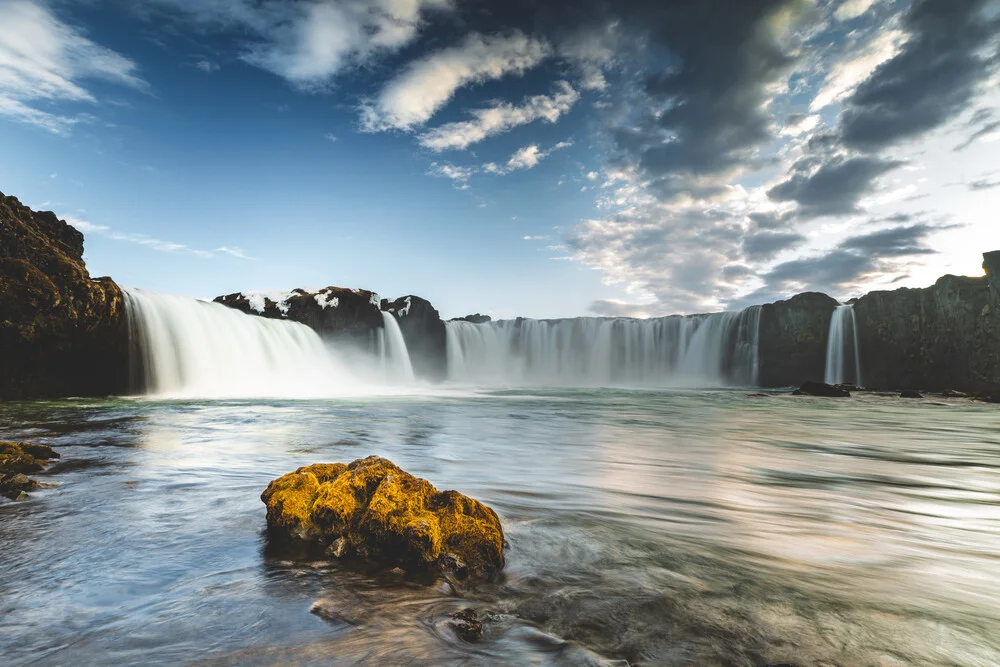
(187, 348)
(843, 356)
(392, 350)
(698, 350)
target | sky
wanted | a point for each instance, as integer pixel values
(535, 158)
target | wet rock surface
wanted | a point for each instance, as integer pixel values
(61, 332)
(822, 389)
(374, 511)
(17, 459)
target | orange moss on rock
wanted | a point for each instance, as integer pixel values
(374, 510)
(18, 458)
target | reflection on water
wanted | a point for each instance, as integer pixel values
(655, 527)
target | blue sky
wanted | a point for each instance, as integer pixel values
(518, 158)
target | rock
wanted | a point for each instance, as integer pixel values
(374, 511)
(757, 395)
(425, 335)
(61, 332)
(333, 312)
(822, 389)
(474, 319)
(792, 337)
(910, 394)
(18, 458)
(466, 625)
(939, 337)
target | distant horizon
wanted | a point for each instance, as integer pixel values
(591, 158)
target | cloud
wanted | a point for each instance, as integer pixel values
(615, 308)
(983, 184)
(330, 136)
(767, 245)
(499, 118)
(852, 9)
(934, 77)
(524, 158)
(44, 60)
(834, 187)
(149, 241)
(206, 65)
(428, 83)
(309, 43)
(235, 251)
(855, 261)
(845, 76)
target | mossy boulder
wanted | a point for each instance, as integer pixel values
(18, 458)
(373, 510)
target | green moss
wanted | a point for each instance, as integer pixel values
(383, 513)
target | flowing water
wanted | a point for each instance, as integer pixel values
(843, 355)
(691, 351)
(657, 527)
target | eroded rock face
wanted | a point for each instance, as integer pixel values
(17, 459)
(935, 338)
(331, 311)
(424, 333)
(61, 333)
(373, 510)
(793, 337)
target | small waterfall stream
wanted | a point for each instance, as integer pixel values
(843, 355)
(392, 351)
(692, 351)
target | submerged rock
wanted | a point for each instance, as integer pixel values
(18, 458)
(822, 389)
(467, 625)
(910, 394)
(375, 511)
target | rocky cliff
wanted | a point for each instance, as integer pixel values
(940, 337)
(337, 313)
(61, 332)
(793, 337)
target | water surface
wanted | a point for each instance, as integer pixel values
(661, 528)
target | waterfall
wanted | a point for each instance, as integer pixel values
(187, 348)
(698, 350)
(392, 351)
(842, 347)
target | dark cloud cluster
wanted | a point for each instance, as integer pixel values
(835, 187)
(934, 77)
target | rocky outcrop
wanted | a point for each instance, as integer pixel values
(374, 511)
(474, 319)
(333, 312)
(61, 332)
(935, 338)
(793, 335)
(355, 315)
(822, 389)
(424, 333)
(17, 459)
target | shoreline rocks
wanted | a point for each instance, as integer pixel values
(17, 459)
(823, 390)
(374, 511)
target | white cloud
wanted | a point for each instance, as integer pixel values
(308, 43)
(235, 251)
(845, 76)
(427, 84)
(459, 175)
(43, 59)
(500, 118)
(148, 241)
(852, 9)
(330, 136)
(206, 65)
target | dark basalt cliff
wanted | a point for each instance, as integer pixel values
(333, 312)
(61, 332)
(793, 335)
(337, 313)
(940, 337)
(424, 333)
